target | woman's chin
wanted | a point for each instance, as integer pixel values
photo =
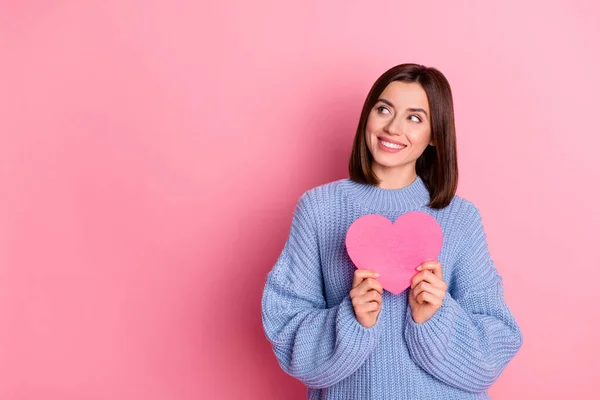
(386, 161)
(388, 164)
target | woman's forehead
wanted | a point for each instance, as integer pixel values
(405, 95)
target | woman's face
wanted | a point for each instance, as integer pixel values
(399, 128)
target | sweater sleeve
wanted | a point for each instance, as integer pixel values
(471, 338)
(317, 344)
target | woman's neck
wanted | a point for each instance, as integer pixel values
(393, 178)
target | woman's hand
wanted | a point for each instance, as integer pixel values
(427, 291)
(366, 297)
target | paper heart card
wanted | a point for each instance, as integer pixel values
(394, 250)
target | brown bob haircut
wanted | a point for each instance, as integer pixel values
(437, 166)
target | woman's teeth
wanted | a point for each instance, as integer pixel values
(392, 145)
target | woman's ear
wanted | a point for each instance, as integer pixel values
(431, 140)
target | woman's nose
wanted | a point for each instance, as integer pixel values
(394, 127)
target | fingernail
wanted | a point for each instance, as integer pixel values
(376, 275)
(419, 268)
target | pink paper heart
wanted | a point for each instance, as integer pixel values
(394, 250)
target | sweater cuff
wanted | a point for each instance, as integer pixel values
(431, 338)
(354, 344)
(355, 339)
(350, 327)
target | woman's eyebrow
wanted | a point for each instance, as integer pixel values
(389, 103)
(417, 110)
(384, 101)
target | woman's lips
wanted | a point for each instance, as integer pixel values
(392, 146)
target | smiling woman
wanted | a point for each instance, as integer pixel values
(333, 326)
(414, 103)
(386, 123)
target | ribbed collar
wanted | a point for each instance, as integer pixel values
(407, 198)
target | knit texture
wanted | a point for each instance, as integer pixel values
(308, 316)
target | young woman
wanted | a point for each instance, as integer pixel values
(332, 326)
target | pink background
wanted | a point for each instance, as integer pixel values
(152, 153)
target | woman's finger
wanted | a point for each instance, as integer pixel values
(427, 276)
(429, 298)
(362, 274)
(429, 288)
(367, 298)
(367, 307)
(372, 295)
(413, 295)
(433, 266)
(369, 284)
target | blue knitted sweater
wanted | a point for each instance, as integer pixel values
(308, 317)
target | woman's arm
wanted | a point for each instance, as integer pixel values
(320, 346)
(471, 338)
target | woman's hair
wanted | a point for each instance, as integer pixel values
(437, 166)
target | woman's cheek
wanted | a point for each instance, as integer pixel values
(419, 135)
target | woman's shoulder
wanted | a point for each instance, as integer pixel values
(464, 211)
(460, 203)
(322, 198)
(325, 190)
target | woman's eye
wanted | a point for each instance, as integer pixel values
(383, 110)
(414, 118)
